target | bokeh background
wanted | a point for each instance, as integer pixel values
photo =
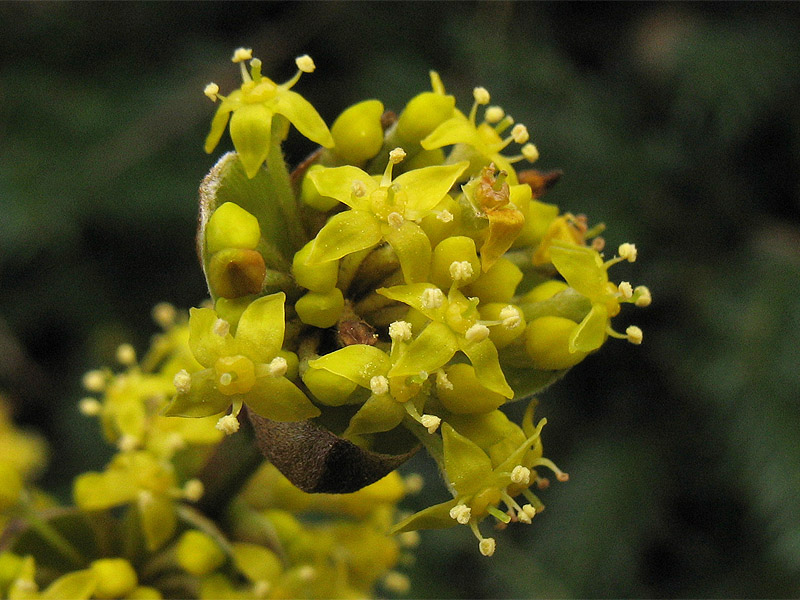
(676, 124)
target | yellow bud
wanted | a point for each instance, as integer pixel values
(320, 277)
(231, 226)
(236, 272)
(498, 284)
(547, 343)
(328, 388)
(544, 291)
(115, 578)
(310, 195)
(10, 486)
(321, 309)
(467, 395)
(511, 326)
(442, 221)
(457, 249)
(358, 132)
(230, 309)
(423, 113)
(198, 554)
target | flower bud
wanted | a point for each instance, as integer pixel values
(198, 554)
(328, 388)
(498, 284)
(457, 249)
(544, 291)
(115, 578)
(424, 113)
(467, 395)
(231, 226)
(320, 277)
(358, 133)
(511, 326)
(10, 486)
(320, 309)
(547, 343)
(309, 194)
(442, 221)
(236, 272)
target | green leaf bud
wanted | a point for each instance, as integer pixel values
(236, 272)
(358, 133)
(498, 284)
(231, 226)
(309, 194)
(511, 322)
(465, 394)
(321, 277)
(321, 309)
(328, 388)
(115, 578)
(455, 260)
(547, 343)
(424, 113)
(198, 554)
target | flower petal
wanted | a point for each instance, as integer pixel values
(337, 182)
(413, 250)
(424, 188)
(582, 267)
(261, 327)
(206, 345)
(303, 116)
(379, 413)
(458, 130)
(251, 126)
(433, 517)
(483, 356)
(343, 234)
(591, 332)
(467, 467)
(278, 399)
(413, 295)
(432, 349)
(358, 363)
(202, 400)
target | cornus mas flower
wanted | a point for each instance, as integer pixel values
(252, 107)
(241, 369)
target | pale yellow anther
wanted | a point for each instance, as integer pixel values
(379, 385)
(182, 381)
(432, 298)
(523, 517)
(625, 290)
(442, 381)
(242, 54)
(396, 582)
(643, 297)
(493, 114)
(461, 513)
(126, 355)
(400, 331)
(90, 407)
(225, 379)
(521, 475)
(519, 133)
(477, 333)
(175, 441)
(94, 381)
(627, 251)
(445, 216)
(262, 588)
(634, 334)
(510, 317)
(395, 219)
(305, 63)
(228, 424)
(164, 314)
(430, 422)
(413, 483)
(409, 539)
(481, 95)
(128, 443)
(307, 573)
(529, 510)
(144, 498)
(278, 366)
(193, 490)
(487, 546)
(25, 585)
(221, 327)
(461, 270)
(530, 152)
(397, 155)
(359, 188)
(211, 90)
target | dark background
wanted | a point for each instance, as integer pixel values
(676, 124)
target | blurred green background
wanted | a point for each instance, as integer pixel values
(676, 124)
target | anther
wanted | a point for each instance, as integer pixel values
(529, 510)
(643, 297)
(242, 54)
(487, 546)
(634, 334)
(432, 298)
(530, 152)
(481, 95)
(400, 331)
(626, 290)
(627, 251)
(461, 513)
(164, 314)
(445, 216)
(521, 475)
(519, 133)
(221, 327)
(461, 270)
(379, 385)
(182, 381)
(477, 333)
(228, 424)
(193, 490)
(128, 443)
(493, 114)
(90, 407)
(305, 63)
(395, 219)
(126, 355)
(359, 188)
(397, 155)
(211, 90)
(409, 539)
(396, 582)
(510, 317)
(442, 381)
(413, 483)
(430, 422)
(94, 381)
(278, 366)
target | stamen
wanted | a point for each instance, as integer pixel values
(94, 381)
(520, 133)
(359, 188)
(481, 95)
(126, 355)
(397, 155)
(128, 443)
(530, 152)
(221, 327)
(627, 252)
(305, 63)
(182, 381)
(461, 270)
(242, 54)
(493, 114)
(643, 297)
(193, 490)
(400, 331)
(396, 582)
(634, 334)
(477, 333)
(90, 407)
(395, 219)
(409, 539)
(442, 381)
(461, 513)
(414, 483)
(228, 424)
(510, 317)
(626, 290)
(432, 298)
(379, 385)
(211, 90)
(546, 462)
(278, 366)
(164, 314)
(487, 546)
(521, 475)
(430, 422)
(445, 216)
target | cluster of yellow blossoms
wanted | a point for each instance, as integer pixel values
(395, 290)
